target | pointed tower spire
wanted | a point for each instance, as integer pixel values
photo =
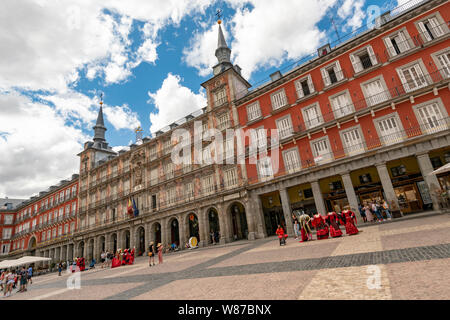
(99, 128)
(223, 53)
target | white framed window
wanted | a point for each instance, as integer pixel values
(398, 42)
(442, 61)
(168, 170)
(228, 150)
(206, 156)
(74, 191)
(59, 230)
(74, 207)
(8, 218)
(342, 104)
(189, 190)
(167, 146)
(220, 97)
(223, 121)
(284, 127)
(312, 116)
(321, 150)
(153, 176)
(152, 152)
(49, 234)
(54, 233)
(353, 141)
(412, 76)
(264, 166)
(171, 195)
(363, 59)
(375, 91)
(66, 228)
(432, 27)
(208, 184)
(291, 160)
(432, 116)
(230, 177)
(253, 111)
(67, 194)
(304, 87)
(278, 99)
(389, 129)
(6, 233)
(72, 226)
(332, 73)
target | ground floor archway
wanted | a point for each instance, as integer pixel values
(193, 227)
(214, 226)
(140, 247)
(239, 227)
(174, 232)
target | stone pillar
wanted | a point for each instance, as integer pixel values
(182, 229)
(284, 196)
(386, 182)
(203, 229)
(318, 197)
(148, 238)
(431, 180)
(250, 215)
(95, 253)
(351, 195)
(258, 212)
(164, 233)
(132, 237)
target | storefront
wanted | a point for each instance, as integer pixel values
(273, 212)
(301, 198)
(333, 194)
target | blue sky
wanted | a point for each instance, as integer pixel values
(147, 57)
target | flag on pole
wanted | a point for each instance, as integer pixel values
(129, 206)
(135, 209)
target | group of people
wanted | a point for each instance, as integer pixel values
(10, 278)
(374, 210)
(325, 226)
(123, 257)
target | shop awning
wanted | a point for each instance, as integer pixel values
(444, 168)
(22, 261)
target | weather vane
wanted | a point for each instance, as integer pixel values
(219, 15)
(101, 98)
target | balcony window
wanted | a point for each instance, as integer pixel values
(208, 184)
(389, 129)
(432, 27)
(412, 77)
(332, 74)
(375, 92)
(253, 111)
(291, 160)
(321, 150)
(312, 116)
(304, 87)
(442, 60)
(363, 59)
(432, 116)
(398, 43)
(189, 191)
(284, 127)
(265, 167)
(223, 121)
(278, 99)
(341, 104)
(231, 178)
(220, 98)
(353, 141)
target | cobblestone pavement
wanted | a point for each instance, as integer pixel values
(408, 259)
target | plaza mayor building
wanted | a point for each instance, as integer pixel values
(364, 121)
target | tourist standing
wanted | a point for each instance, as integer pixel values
(368, 212)
(296, 226)
(160, 253)
(376, 211)
(386, 210)
(305, 229)
(59, 268)
(103, 258)
(151, 254)
(30, 275)
(362, 213)
(10, 282)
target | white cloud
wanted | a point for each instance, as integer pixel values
(351, 12)
(173, 102)
(121, 117)
(38, 149)
(265, 33)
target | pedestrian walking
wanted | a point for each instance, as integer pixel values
(59, 268)
(23, 278)
(30, 275)
(376, 211)
(151, 254)
(103, 258)
(9, 282)
(362, 212)
(368, 212)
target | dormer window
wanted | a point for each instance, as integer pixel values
(304, 87)
(363, 59)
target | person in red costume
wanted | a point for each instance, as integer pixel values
(131, 259)
(281, 235)
(332, 220)
(82, 266)
(125, 257)
(318, 222)
(350, 221)
(115, 261)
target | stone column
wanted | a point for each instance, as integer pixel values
(203, 229)
(164, 233)
(431, 180)
(250, 215)
(132, 237)
(351, 195)
(318, 197)
(95, 253)
(258, 212)
(388, 188)
(148, 238)
(183, 231)
(287, 211)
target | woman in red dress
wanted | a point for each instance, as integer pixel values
(350, 222)
(115, 261)
(318, 222)
(332, 220)
(131, 255)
